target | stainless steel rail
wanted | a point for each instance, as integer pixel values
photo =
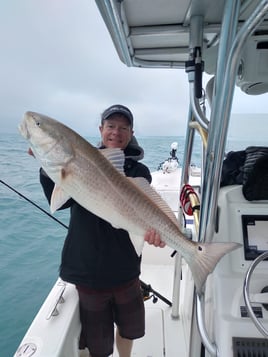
(260, 298)
(108, 11)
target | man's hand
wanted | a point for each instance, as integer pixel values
(152, 237)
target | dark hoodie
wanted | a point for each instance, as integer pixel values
(96, 255)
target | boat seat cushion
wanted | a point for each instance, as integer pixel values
(248, 168)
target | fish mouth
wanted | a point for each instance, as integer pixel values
(23, 129)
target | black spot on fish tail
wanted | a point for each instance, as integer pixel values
(205, 259)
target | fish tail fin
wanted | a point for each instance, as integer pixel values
(206, 258)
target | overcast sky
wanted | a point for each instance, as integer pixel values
(57, 58)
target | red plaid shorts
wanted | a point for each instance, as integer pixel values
(99, 310)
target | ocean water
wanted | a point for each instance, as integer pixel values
(31, 241)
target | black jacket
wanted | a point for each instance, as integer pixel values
(96, 255)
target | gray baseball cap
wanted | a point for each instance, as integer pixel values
(118, 108)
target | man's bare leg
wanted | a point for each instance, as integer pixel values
(124, 345)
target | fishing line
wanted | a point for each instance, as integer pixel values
(33, 203)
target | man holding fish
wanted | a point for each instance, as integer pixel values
(112, 206)
(100, 259)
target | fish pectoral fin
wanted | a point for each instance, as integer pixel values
(116, 157)
(58, 198)
(138, 242)
(151, 193)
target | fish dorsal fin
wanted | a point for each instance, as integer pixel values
(144, 185)
(116, 157)
(58, 198)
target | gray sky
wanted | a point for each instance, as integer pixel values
(58, 59)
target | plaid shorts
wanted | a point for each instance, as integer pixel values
(99, 310)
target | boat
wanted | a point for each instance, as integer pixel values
(227, 40)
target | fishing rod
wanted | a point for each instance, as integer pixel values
(33, 203)
(147, 289)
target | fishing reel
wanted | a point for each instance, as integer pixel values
(149, 293)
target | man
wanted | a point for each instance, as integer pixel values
(101, 260)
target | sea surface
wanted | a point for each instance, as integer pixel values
(31, 241)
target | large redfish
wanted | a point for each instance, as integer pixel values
(95, 179)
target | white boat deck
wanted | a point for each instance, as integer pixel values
(164, 334)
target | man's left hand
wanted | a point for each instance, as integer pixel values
(152, 237)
